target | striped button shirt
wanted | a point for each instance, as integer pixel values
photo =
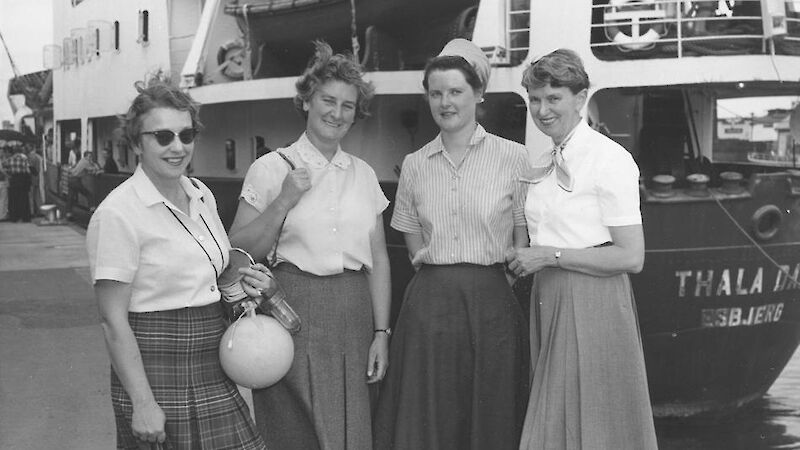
(465, 214)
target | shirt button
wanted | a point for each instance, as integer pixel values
(200, 238)
(334, 230)
(213, 288)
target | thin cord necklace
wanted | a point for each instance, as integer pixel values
(222, 258)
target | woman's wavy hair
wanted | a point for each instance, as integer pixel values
(157, 91)
(325, 66)
(560, 68)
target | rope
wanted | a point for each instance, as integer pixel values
(248, 69)
(753, 241)
(354, 30)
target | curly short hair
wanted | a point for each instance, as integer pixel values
(325, 66)
(450, 62)
(157, 91)
(560, 68)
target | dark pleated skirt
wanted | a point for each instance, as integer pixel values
(589, 388)
(180, 353)
(458, 368)
(323, 402)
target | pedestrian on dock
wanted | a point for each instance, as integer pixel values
(589, 388)
(156, 247)
(17, 169)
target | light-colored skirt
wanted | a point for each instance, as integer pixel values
(589, 387)
(323, 402)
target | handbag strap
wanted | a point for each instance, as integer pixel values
(274, 259)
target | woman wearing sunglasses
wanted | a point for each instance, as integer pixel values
(331, 259)
(156, 247)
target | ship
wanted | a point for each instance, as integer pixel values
(672, 82)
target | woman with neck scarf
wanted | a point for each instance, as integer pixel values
(459, 354)
(589, 388)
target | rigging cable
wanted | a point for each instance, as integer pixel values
(354, 31)
(13, 66)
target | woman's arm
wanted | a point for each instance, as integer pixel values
(521, 239)
(256, 232)
(414, 244)
(113, 298)
(380, 289)
(626, 255)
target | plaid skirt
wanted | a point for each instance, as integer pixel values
(180, 354)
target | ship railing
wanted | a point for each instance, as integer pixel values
(677, 28)
(511, 48)
(519, 28)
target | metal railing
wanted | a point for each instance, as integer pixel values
(677, 28)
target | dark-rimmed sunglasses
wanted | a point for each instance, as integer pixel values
(165, 137)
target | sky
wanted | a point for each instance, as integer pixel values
(27, 26)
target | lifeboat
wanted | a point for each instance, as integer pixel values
(280, 31)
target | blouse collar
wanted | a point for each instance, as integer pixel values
(438, 146)
(314, 158)
(147, 191)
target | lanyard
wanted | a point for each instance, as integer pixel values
(216, 274)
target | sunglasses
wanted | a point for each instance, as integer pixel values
(165, 137)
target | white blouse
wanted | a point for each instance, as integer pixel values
(605, 194)
(135, 237)
(328, 230)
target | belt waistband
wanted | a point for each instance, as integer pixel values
(291, 268)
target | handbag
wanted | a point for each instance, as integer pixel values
(236, 303)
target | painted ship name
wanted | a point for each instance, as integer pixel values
(736, 281)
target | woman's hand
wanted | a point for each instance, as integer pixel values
(527, 260)
(257, 280)
(296, 183)
(148, 422)
(378, 360)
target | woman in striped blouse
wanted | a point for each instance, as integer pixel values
(459, 355)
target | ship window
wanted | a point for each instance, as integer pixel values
(116, 35)
(639, 29)
(144, 27)
(756, 130)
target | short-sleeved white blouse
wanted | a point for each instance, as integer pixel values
(329, 229)
(137, 236)
(605, 194)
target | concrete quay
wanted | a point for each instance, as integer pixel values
(54, 369)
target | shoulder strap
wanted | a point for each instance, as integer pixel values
(274, 258)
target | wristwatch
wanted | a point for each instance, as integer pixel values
(557, 254)
(388, 331)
